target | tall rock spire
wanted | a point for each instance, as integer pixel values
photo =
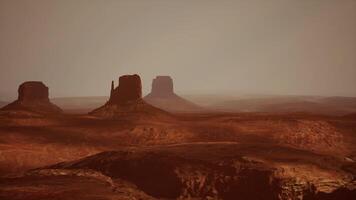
(112, 88)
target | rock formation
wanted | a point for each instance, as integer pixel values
(33, 96)
(129, 89)
(196, 173)
(126, 100)
(162, 96)
(162, 86)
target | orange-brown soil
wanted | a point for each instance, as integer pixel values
(186, 156)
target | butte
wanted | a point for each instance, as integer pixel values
(33, 96)
(162, 96)
(126, 101)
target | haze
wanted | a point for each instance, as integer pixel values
(301, 47)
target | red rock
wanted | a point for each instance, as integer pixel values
(33, 96)
(126, 101)
(162, 96)
(129, 89)
(162, 86)
(33, 91)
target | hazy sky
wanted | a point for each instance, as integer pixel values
(250, 46)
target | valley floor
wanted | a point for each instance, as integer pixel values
(188, 156)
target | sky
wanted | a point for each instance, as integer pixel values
(285, 47)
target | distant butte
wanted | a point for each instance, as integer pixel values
(126, 101)
(162, 96)
(162, 86)
(33, 96)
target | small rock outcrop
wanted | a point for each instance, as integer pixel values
(126, 100)
(162, 96)
(33, 96)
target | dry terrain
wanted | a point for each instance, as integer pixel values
(182, 156)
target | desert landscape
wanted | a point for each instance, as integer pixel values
(177, 100)
(129, 149)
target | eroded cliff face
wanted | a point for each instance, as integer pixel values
(33, 91)
(129, 89)
(126, 101)
(175, 176)
(64, 184)
(33, 96)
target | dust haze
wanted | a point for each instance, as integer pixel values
(178, 100)
(298, 47)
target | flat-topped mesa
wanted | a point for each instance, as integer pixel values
(33, 91)
(162, 86)
(129, 89)
(33, 96)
